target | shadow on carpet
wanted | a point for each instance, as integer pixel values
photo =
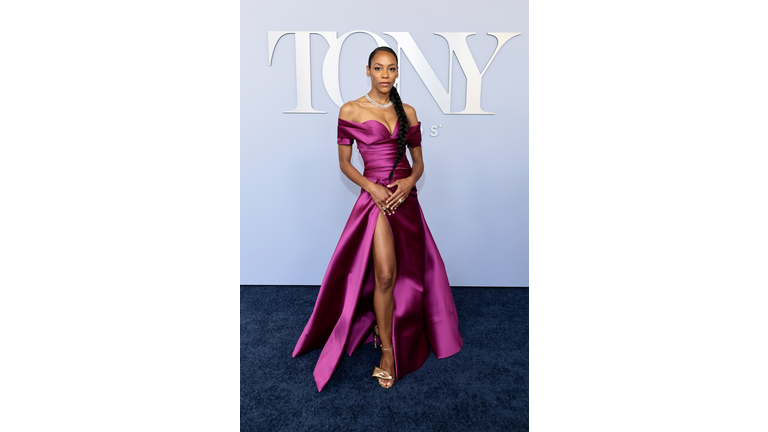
(484, 387)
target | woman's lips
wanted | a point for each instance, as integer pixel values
(384, 84)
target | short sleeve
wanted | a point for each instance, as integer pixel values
(344, 135)
(413, 138)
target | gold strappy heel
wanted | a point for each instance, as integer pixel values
(378, 372)
(381, 374)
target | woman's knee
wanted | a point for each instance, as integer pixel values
(385, 279)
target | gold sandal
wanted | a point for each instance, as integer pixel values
(382, 374)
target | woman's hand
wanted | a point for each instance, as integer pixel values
(380, 194)
(404, 186)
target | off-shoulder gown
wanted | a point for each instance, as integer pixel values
(424, 311)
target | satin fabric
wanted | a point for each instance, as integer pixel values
(424, 311)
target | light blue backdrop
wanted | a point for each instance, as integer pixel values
(474, 192)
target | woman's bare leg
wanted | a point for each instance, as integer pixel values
(385, 270)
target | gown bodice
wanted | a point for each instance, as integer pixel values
(378, 146)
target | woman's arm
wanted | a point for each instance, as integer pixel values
(418, 164)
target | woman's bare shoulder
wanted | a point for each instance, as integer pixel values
(350, 110)
(410, 112)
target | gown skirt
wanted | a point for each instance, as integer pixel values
(424, 312)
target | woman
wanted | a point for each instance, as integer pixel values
(386, 274)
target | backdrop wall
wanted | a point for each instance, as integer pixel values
(474, 192)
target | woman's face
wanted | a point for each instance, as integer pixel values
(383, 71)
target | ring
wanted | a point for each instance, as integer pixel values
(401, 200)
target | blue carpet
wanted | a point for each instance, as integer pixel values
(484, 387)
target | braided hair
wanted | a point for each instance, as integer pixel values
(402, 119)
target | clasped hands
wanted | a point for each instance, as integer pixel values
(388, 200)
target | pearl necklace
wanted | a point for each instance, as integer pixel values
(378, 104)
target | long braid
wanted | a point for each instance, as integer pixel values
(394, 96)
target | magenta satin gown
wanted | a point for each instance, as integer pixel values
(424, 311)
